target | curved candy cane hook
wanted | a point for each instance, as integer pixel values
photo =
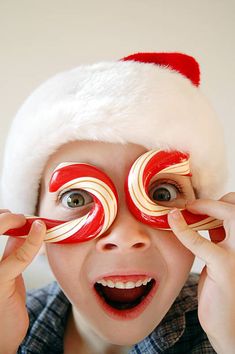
(69, 176)
(148, 165)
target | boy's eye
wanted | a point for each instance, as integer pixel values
(76, 198)
(164, 192)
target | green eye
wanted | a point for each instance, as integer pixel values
(75, 199)
(164, 192)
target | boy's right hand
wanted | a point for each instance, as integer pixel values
(18, 254)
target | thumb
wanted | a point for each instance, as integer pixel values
(204, 249)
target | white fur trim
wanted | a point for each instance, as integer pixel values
(112, 102)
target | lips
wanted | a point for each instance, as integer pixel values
(125, 297)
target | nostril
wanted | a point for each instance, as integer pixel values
(109, 246)
(139, 245)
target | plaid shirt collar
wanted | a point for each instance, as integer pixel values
(48, 309)
(173, 325)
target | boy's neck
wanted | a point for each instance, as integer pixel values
(78, 334)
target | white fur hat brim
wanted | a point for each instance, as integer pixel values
(116, 102)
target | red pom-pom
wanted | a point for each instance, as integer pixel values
(183, 63)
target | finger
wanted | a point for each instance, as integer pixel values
(9, 220)
(4, 211)
(229, 198)
(219, 234)
(12, 244)
(15, 264)
(218, 209)
(209, 252)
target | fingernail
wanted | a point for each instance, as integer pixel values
(38, 225)
(21, 215)
(175, 214)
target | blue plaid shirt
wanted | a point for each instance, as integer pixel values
(179, 331)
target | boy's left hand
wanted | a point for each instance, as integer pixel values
(216, 288)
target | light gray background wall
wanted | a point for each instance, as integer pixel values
(40, 38)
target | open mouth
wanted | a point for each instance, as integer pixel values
(124, 295)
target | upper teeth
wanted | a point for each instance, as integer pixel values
(121, 285)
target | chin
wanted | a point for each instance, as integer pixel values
(124, 339)
(126, 334)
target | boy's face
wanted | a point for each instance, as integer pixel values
(128, 251)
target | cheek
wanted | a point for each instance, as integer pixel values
(177, 264)
(66, 262)
(178, 259)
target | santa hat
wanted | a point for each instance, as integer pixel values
(150, 99)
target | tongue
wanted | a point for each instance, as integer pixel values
(123, 295)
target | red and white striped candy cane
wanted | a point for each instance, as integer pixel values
(68, 176)
(147, 166)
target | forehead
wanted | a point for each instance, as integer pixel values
(109, 157)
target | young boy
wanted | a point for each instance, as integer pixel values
(129, 289)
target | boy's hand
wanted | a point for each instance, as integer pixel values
(216, 288)
(18, 254)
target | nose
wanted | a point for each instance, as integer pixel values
(125, 235)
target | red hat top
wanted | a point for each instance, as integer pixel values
(183, 63)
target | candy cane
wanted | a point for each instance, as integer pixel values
(148, 165)
(68, 176)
